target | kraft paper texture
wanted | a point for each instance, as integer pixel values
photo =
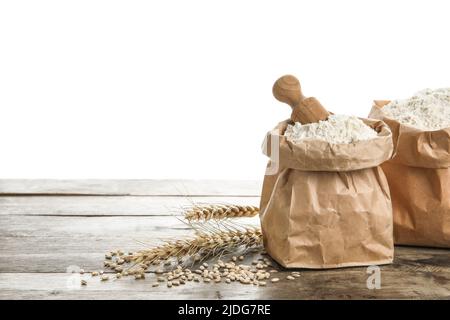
(419, 180)
(328, 205)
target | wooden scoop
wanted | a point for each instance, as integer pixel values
(304, 110)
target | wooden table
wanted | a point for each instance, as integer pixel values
(48, 227)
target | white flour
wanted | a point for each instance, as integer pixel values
(426, 110)
(337, 129)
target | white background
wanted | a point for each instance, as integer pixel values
(182, 89)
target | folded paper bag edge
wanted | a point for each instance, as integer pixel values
(412, 146)
(319, 155)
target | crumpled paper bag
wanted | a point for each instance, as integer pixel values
(419, 180)
(328, 205)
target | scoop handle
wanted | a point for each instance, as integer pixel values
(287, 89)
(309, 110)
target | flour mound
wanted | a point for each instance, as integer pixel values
(427, 110)
(337, 129)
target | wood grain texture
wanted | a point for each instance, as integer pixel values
(327, 284)
(41, 236)
(52, 243)
(309, 110)
(287, 89)
(131, 187)
(109, 205)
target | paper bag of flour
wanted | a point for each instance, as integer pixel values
(327, 205)
(419, 180)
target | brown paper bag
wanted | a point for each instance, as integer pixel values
(419, 180)
(328, 206)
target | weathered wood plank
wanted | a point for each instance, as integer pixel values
(55, 258)
(41, 236)
(53, 243)
(131, 187)
(326, 284)
(108, 205)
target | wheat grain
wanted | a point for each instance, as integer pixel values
(214, 239)
(219, 211)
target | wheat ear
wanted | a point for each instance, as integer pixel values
(205, 245)
(219, 211)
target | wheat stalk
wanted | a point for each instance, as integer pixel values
(209, 242)
(219, 211)
(214, 239)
